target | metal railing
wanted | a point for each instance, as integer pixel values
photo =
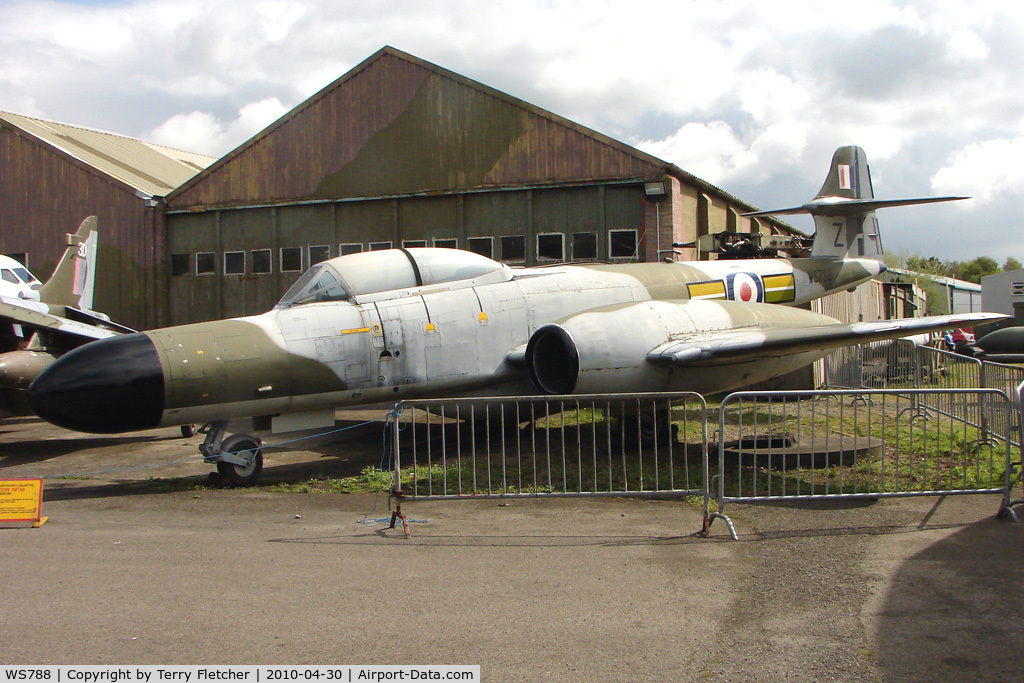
(863, 444)
(613, 444)
(832, 444)
(902, 364)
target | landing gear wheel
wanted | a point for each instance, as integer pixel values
(651, 426)
(242, 475)
(188, 431)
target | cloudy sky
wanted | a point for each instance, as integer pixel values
(753, 96)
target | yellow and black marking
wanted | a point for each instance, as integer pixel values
(779, 289)
(710, 289)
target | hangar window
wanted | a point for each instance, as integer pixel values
(551, 247)
(291, 259)
(206, 263)
(448, 244)
(482, 245)
(318, 254)
(347, 248)
(414, 243)
(513, 248)
(234, 263)
(584, 246)
(379, 246)
(261, 261)
(179, 264)
(622, 243)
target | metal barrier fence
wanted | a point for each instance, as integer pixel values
(835, 444)
(863, 444)
(617, 444)
(902, 364)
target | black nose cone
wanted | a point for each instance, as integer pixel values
(107, 386)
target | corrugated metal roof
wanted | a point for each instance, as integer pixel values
(941, 279)
(149, 168)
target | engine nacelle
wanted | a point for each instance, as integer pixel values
(606, 349)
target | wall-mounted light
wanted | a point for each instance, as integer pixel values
(654, 189)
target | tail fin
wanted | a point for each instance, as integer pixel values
(74, 277)
(844, 209)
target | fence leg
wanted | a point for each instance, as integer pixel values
(725, 518)
(1006, 507)
(709, 516)
(397, 514)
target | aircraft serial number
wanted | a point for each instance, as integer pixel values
(819, 275)
(28, 674)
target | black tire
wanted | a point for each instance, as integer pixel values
(649, 427)
(188, 431)
(237, 475)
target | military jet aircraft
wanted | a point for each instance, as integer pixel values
(39, 322)
(403, 323)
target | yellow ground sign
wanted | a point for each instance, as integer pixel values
(21, 500)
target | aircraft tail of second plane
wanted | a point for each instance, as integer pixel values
(74, 278)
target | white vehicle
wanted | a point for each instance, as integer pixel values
(16, 282)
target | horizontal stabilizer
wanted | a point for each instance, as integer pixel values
(839, 206)
(719, 348)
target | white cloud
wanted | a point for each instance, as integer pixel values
(987, 170)
(203, 132)
(752, 96)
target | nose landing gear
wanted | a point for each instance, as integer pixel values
(239, 457)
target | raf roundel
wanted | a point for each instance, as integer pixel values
(745, 287)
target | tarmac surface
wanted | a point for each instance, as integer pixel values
(141, 567)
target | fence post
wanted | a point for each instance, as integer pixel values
(396, 491)
(982, 402)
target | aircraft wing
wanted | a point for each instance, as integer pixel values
(728, 346)
(37, 320)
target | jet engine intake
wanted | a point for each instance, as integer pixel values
(553, 360)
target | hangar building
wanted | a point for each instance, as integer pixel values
(401, 152)
(53, 175)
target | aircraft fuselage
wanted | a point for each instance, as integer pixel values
(465, 336)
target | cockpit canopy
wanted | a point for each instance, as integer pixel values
(361, 276)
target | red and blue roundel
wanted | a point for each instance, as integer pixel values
(746, 287)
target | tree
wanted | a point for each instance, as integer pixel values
(973, 271)
(930, 265)
(1011, 264)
